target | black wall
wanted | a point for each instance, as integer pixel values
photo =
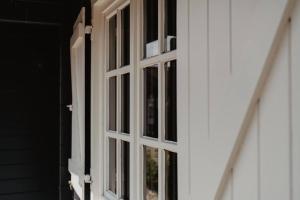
(35, 88)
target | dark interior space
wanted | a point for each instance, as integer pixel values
(35, 88)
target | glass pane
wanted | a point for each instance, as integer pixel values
(112, 62)
(150, 28)
(150, 173)
(125, 103)
(151, 102)
(112, 165)
(171, 176)
(170, 101)
(125, 170)
(125, 28)
(170, 24)
(112, 101)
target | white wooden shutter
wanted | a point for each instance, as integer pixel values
(77, 52)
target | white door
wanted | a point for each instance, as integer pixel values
(77, 52)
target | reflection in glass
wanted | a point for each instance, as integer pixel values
(125, 160)
(151, 102)
(150, 28)
(112, 147)
(171, 190)
(125, 103)
(125, 34)
(171, 101)
(112, 101)
(150, 173)
(170, 24)
(112, 46)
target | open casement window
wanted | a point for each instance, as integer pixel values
(77, 51)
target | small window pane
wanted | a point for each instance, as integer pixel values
(112, 165)
(125, 170)
(151, 102)
(150, 28)
(170, 24)
(171, 101)
(150, 173)
(125, 103)
(171, 176)
(112, 61)
(125, 28)
(112, 101)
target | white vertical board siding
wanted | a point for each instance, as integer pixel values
(267, 164)
(246, 171)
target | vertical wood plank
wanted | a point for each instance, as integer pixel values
(241, 13)
(245, 174)
(228, 192)
(295, 100)
(219, 63)
(274, 130)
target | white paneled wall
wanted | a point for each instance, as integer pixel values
(267, 167)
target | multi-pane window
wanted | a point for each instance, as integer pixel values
(158, 97)
(141, 119)
(118, 77)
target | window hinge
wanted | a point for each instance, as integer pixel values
(88, 178)
(70, 107)
(88, 29)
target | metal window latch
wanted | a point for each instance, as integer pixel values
(88, 178)
(70, 107)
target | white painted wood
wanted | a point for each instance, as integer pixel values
(183, 89)
(246, 170)
(228, 193)
(295, 100)
(77, 52)
(275, 129)
(225, 49)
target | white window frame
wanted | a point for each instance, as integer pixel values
(115, 10)
(160, 143)
(99, 75)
